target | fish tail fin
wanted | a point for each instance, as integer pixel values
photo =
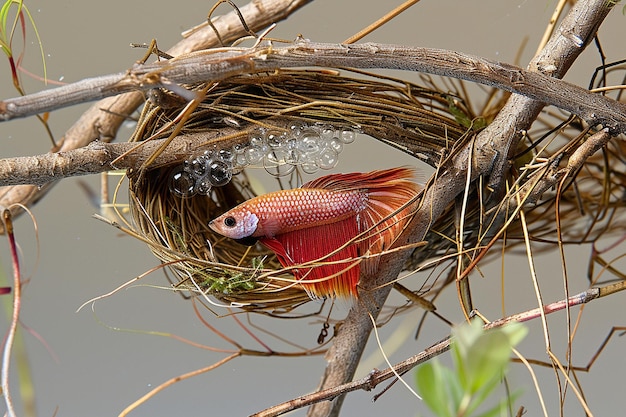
(390, 205)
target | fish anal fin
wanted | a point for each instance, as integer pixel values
(277, 247)
(336, 271)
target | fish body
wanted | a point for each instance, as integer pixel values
(284, 211)
(314, 227)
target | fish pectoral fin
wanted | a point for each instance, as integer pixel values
(277, 247)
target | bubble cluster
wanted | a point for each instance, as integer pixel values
(201, 172)
(310, 147)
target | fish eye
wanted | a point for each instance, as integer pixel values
(230, 221)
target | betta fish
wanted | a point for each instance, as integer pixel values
(328, 229)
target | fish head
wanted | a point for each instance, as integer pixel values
(238, 224)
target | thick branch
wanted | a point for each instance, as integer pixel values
(99, 157)
(578, 27)
(212, 65)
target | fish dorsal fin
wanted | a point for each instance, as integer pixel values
(361, 180)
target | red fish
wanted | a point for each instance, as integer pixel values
(315, 225)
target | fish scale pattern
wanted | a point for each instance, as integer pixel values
(283, 211)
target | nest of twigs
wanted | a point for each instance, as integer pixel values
(428, 123)
(424, 122)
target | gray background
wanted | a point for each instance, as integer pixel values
(88, 369)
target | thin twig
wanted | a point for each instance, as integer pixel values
(380, 22)
(531, 191)
(175, 380)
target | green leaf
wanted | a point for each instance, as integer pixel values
(481, 359)
(454, 389)
(431, 383)
(463, 337)
(500, 409)
(516, 332)
(488, 357)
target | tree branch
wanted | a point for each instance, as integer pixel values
(100, 156)
(217, 65)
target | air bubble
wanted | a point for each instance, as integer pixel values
(309, 144)
(347, 136)
(293, 157)
(208, 155)
(198, 166)
(226, 155)
(275, 138)
(296, 128)
(327, 159)
(220, 173)
(182, 183)
(327, 132)
(254, 155)
(257, 138)
(336, 145)
(275, 157)
(239, 148)
(275, 163)
(290, 144)
(309, 167)
(241, 160)
(203, 187)
(292, 153)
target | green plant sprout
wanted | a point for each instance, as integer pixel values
(481, 358)
(7, 33)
